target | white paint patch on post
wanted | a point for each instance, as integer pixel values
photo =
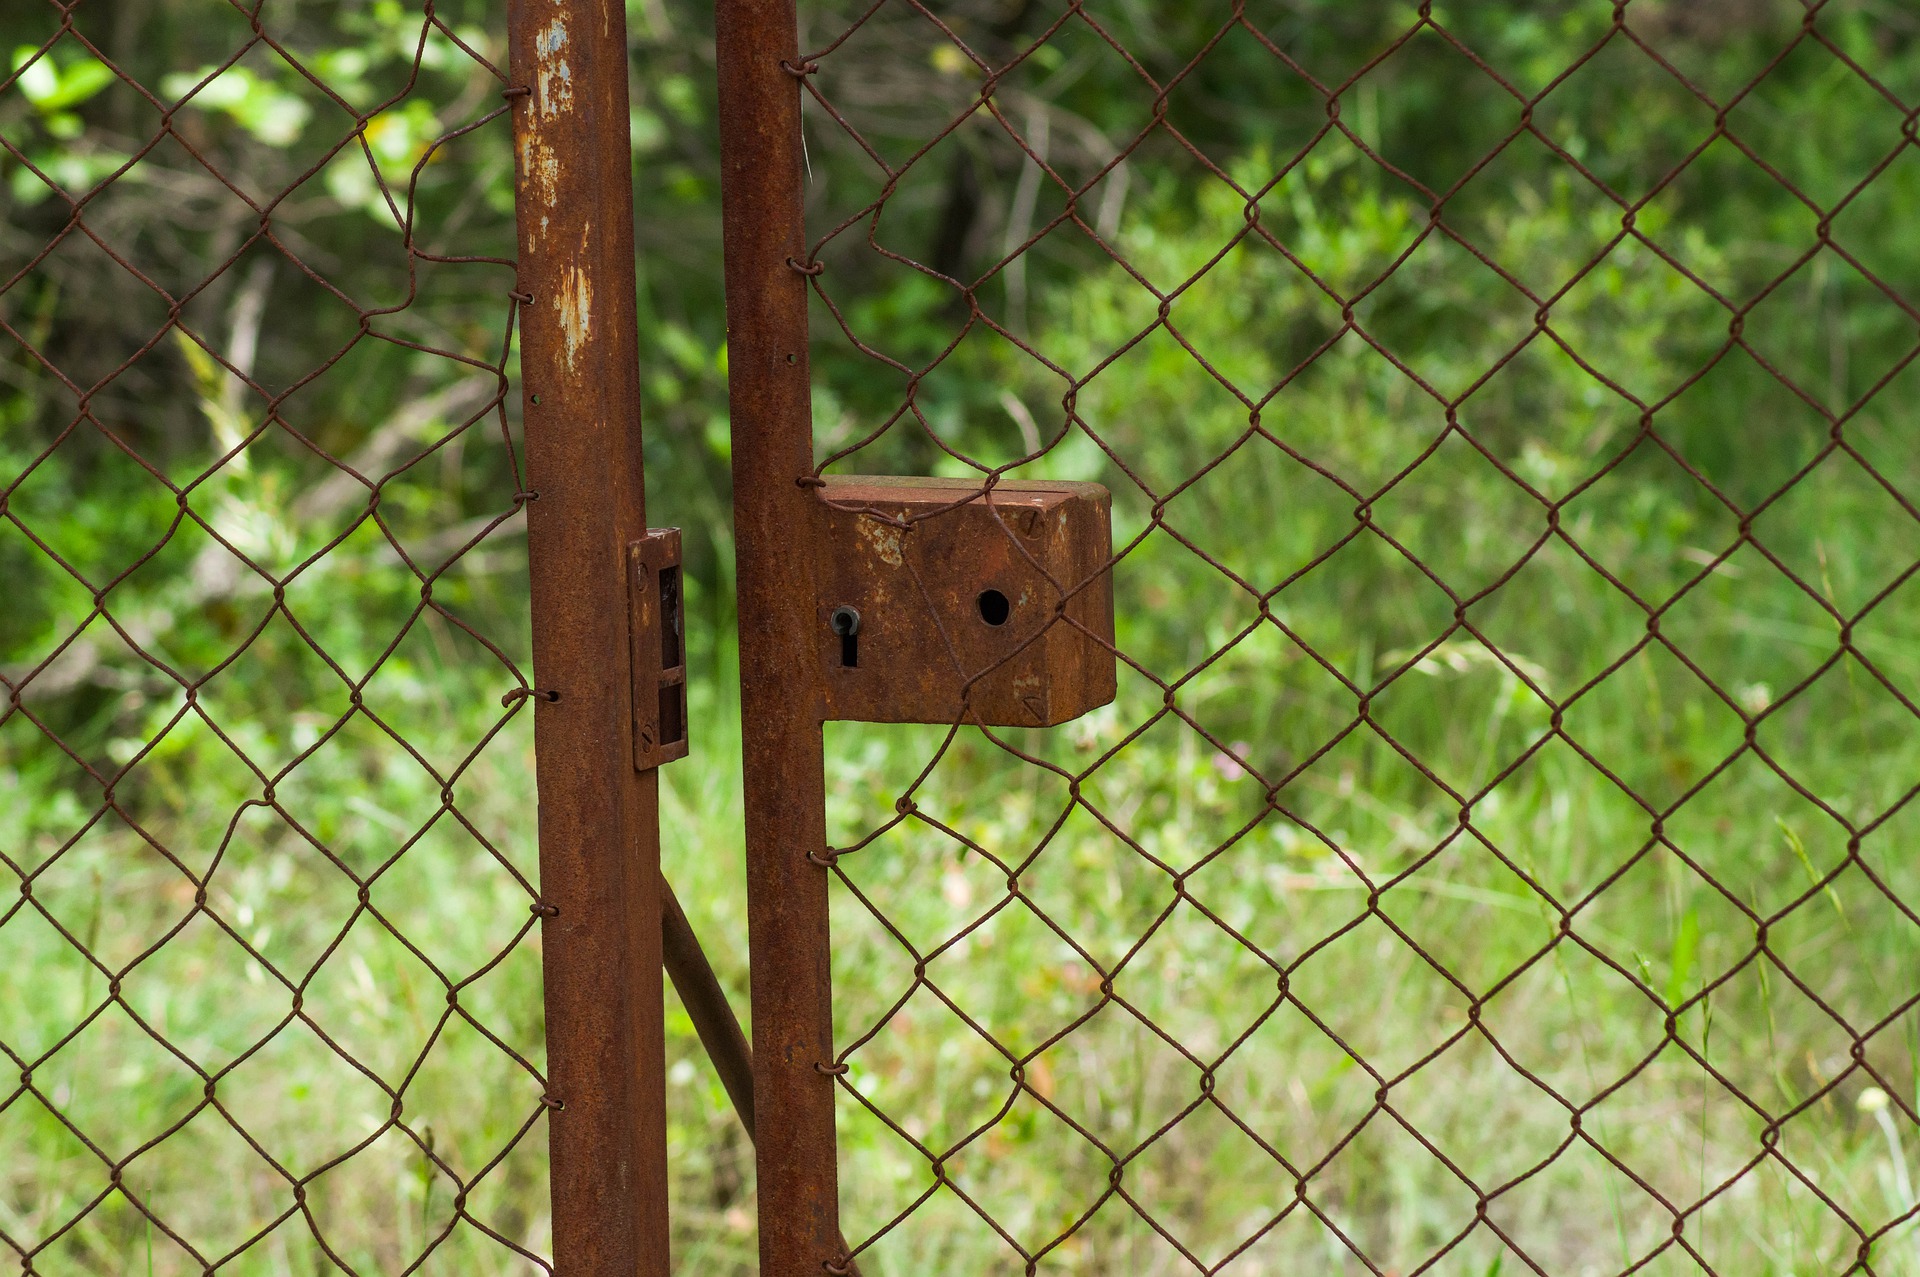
(555, 76)
(575, 304)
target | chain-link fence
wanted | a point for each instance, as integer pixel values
(1496, 857)
(269, 984)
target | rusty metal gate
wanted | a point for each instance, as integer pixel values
(1326, 673)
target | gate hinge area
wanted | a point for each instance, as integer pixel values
(658, 628)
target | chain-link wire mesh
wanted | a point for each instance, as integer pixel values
(269, 980)
(1497, 857)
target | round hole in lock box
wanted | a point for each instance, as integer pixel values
(994, 607)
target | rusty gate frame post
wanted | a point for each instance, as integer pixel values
(762, 199)
(599, 817)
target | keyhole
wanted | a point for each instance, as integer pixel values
(846, 623)
(994, 608)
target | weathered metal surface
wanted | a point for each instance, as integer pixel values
(987, 607)
(658, 621)
(599, 836)
(780, 697)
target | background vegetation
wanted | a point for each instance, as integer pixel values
(1550, 813)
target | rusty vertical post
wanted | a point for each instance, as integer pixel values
(762, 198)
(599, 831)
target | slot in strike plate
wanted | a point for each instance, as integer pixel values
(658, 627)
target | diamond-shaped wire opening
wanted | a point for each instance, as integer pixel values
(1620, 1222)
(1534, 1129)
(1494, 211)
(1703, 928)
(1409, 1012)
(1679, 1131)
(1806, 1227)
(1427, 1208)
(1412, 516)
(1175, 981)
(1430, 65)
(167, 1181)
(1177, 1185)
(1620, 92)
(1016, 1193)
(1639, 324)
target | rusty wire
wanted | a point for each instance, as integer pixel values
(99, 1191)
(894, 137)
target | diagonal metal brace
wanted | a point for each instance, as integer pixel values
(712, 1015)
(706, 1002)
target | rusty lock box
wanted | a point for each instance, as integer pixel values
(939, 608)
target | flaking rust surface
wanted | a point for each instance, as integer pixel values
(554, 110)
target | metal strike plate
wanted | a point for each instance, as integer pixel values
(939, 609)
(658, 628)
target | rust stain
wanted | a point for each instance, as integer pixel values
(883, 540)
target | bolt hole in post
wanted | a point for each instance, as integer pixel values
(994, 607)
(846, 623)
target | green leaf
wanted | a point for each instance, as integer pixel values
(52, 87)
(1680, 959)
(38, 76)
(78, 82)
(1799, 850)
